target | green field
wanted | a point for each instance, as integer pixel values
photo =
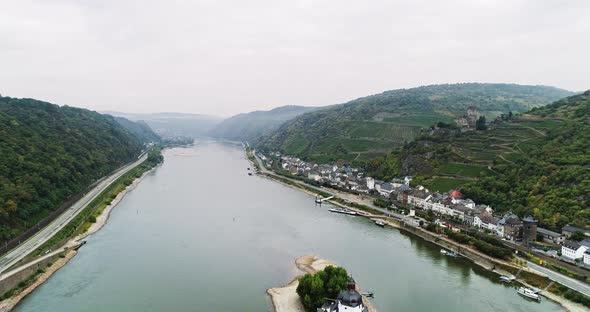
(444, 184)
(463, 170)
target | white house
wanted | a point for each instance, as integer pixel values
(370, 183)
(587, 257)
(574, 250)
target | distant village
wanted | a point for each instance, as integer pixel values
(450, 206)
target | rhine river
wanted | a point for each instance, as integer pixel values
(199, 234)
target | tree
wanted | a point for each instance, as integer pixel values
(480, 124)
(314, 288)
(578, 236)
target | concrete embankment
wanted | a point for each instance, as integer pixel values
(40, 270)
(285, 299)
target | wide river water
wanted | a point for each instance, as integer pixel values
(199, 234)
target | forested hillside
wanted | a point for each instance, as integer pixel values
(367, 127)
(536, 163)
(251, 126)
(139, 129)
(49, 153)
(173, 125)
(552, 178)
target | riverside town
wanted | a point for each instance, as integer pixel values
(295, 156)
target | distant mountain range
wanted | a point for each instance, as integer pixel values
(251, 126)
(370, 126)
(170, 125)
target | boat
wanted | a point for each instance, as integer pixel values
(342, 210)
(506, 279)
(380, 223)
(449, 253)
(452, 254)
(529, 293)
(249, 173)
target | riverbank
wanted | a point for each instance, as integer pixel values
(489, 263)
(285, 299)
(69, 250)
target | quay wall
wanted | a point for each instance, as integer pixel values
(15, 278)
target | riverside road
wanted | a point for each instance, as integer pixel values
(28, 246)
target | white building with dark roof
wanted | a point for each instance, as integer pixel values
(574, 250)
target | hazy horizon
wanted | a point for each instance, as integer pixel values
(221, 58)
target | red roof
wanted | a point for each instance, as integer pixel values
(455, 194)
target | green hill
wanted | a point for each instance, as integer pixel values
(373, 125)
(253, 125)
(174, 125)
(139, 129)
(536, 163)
(49, 153)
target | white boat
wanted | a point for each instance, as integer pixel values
(449, 253)
(529, 293)
(344, 211)
(506, 279)
(380, 223)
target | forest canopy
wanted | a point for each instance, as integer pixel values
(49, 153)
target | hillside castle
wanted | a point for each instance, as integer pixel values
(468, 121)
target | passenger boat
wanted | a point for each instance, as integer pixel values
(529, 293)
(342, 210)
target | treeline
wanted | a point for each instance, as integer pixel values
(49, 153)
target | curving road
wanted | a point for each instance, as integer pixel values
(25, 248)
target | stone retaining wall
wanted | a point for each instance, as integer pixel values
(12, 281)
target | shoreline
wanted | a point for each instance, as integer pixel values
(285, 298)
(10, 303)
(564, 303)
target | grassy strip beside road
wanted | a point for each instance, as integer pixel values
(86, 217)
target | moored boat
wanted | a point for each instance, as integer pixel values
(380, 223)
(528, 293)
(449, 253)
(342, 210)
(506, 279)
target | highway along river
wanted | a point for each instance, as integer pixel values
(199, 234)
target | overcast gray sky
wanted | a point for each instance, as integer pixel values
(223, 57)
